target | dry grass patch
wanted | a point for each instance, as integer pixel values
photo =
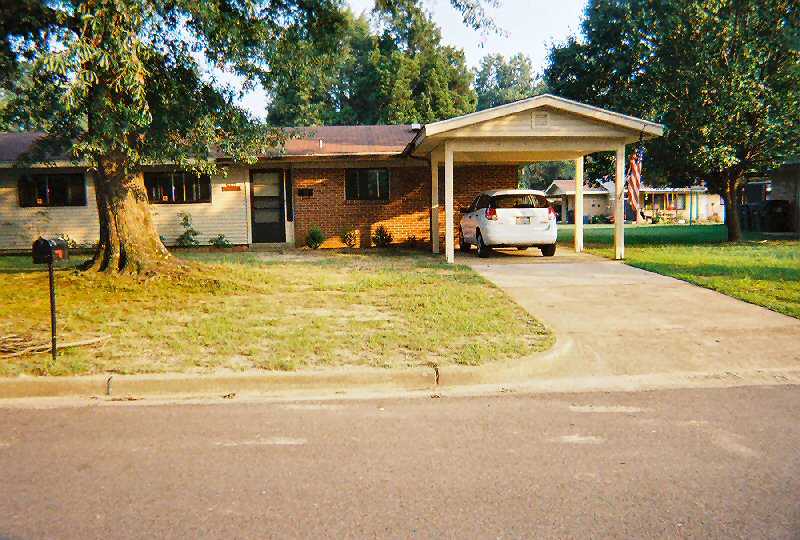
(270, 311)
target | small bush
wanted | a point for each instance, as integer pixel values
(381, 238)
(220, 242)
(315, 238)
(71, 244)
(187, 237)
(348, 238)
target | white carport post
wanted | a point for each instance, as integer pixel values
(579, 204)
(449, 240)
(435, 202)
(619, 206)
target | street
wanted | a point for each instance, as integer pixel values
(689, 463)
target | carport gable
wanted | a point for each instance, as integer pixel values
(542, 128)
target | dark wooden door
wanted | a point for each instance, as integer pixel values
(266, 206)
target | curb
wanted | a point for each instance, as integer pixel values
(363, 379)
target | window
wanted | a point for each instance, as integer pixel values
(366, 185)
(52, 190)
(519, 201)
(681, 202)
(177, 187)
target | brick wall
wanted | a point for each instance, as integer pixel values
(406, 214)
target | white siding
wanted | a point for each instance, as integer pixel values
(19, 227)
(227, 213)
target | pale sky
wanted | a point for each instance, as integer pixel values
(531, 26)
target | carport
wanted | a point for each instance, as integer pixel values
(542, 128)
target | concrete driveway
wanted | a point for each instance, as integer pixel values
(613, 319)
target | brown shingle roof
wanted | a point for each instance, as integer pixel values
(336, 140)
(345, 140)
(13, 145)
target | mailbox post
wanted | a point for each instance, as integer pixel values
(48, 252)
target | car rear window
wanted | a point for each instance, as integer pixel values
(519, 201)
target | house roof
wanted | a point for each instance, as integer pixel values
(349, 140)
(14, 145)
(397, 140)
(306, 141)
(567, 187)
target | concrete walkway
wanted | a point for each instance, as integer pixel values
(613, 319)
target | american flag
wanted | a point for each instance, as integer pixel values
(635, 176)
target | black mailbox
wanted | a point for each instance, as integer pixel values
(46, 251)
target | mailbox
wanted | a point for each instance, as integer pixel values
(49, 251)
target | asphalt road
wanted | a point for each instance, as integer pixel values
(689, 463)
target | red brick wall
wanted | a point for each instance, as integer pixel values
(406, 214)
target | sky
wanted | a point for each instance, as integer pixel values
(530, 26)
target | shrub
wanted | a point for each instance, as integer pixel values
(348, 238)
(220, 242)
(187, 237)
(71, 244)
(381, 238)
(315, 238)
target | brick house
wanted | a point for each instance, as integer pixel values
(338, 178)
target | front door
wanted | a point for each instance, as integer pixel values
(266, 205)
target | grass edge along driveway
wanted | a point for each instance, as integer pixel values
(270, 311)
(760, 270)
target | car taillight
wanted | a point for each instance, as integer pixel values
(491, 213)
(551, 214)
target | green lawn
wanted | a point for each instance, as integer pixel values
(760, 271)
(269, 311)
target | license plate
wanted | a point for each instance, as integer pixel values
(523, 220)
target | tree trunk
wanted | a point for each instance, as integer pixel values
(129, 241)
(732, 209)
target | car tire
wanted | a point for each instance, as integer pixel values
(462, 244)
(483, 250)
(548, 251)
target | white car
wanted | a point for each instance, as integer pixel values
(519, 218)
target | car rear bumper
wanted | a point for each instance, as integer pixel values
(498, 235)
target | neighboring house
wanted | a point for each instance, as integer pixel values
(687, 204)
(597, 201)
(772, 204)
(339, 178)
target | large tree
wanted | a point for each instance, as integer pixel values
(122, 84)
(130, 89)
(722, 75)
(499, 81)
(391, 68)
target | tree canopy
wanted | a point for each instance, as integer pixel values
(398, 73)
(499, 81)
(722, 75)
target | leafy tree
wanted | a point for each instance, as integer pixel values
(722, 75)
(498, 81)
(123, 84)
(541, 174)
(127, 91)
(401, 74)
